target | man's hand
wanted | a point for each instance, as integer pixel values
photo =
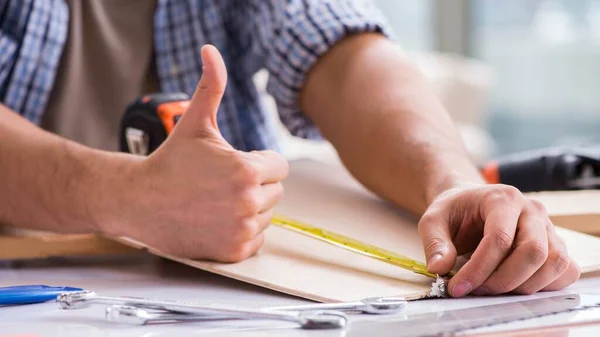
(514, 246)
(196, 196)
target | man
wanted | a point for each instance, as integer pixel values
(209, 190)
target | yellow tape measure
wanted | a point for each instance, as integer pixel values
(353, 245)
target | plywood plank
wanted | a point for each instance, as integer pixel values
(326, 196)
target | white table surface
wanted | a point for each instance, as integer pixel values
(151, 277)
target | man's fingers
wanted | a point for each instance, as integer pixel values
(529, 254)
(554, 267)
(569, 277)
(272, 166)
(501, 219)
(200, 117)
(256, 243)
(439, 249)
(518, 249)
(264, 220)
(243, 251)
(271, 195)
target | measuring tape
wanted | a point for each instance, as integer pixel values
(353, 245)
(148, 121)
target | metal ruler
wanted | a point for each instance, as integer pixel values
(353, 245)
(452, 322)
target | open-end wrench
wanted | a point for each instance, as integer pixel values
(307, 320)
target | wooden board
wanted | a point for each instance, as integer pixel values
(576, 210)
(54, 245)
(325, 195)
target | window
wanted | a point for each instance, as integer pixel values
(546, 57)
(412, 21)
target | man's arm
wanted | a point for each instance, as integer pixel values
(47, 182)
(387, 125)
(395, 137)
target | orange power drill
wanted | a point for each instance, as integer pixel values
(553, 169)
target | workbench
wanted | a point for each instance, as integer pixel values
(148, 276)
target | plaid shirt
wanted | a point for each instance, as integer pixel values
(284, 36)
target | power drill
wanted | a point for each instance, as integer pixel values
(149, 120)
(553, 169)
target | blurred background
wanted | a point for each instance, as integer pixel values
(540, 85)
(514, 74)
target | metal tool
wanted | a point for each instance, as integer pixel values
(148, 121)
(452, 322)
(307, 320)
(141, 316)
(371, 305)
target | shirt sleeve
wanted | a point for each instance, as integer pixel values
(291, 35)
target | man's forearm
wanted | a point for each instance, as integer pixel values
(45, 181)
(386, 123)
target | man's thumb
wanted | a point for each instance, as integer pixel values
(437, 241)
(200, 117)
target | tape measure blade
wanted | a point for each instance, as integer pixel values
(353, 245)
(460, 320)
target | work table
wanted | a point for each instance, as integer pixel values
(147, 276)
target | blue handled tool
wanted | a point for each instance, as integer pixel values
(31, 294)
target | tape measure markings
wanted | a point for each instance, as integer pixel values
(353, 245)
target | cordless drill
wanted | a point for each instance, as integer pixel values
(553, 169)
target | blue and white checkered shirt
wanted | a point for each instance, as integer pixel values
(284, 36)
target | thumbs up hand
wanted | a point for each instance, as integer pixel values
(196, 196)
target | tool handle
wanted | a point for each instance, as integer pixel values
(29, 294)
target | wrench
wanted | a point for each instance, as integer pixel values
(373, 305)
(308, 320)
(140, 316)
